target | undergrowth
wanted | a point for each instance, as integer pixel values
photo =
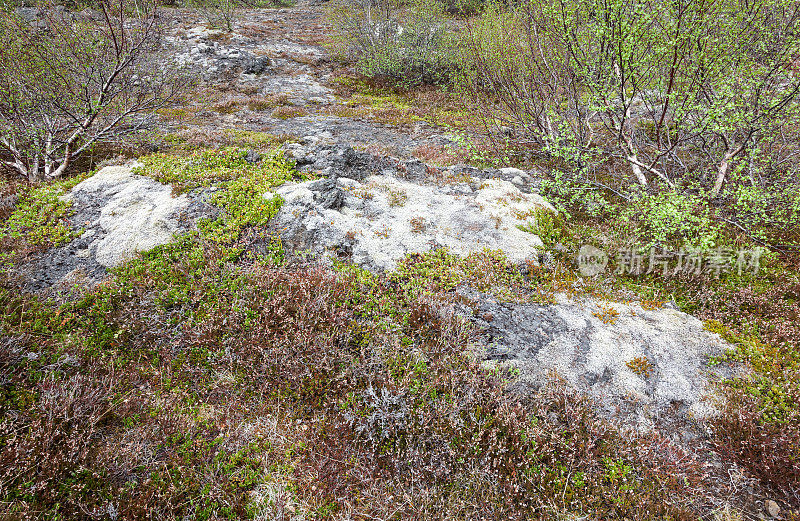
(206, 167)
(154, 396)
(39, 220)
(208, 380)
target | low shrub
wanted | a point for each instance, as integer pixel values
(550, 227)
(263, 103)
(207, 380)
(181, 427)
(220, 14)
(205, 167)
(671, 220)
(288, 112)
(768, 449)
(407, 43)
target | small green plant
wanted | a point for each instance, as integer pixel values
(418, 224)
(397, 198)
(288, 112)
(671, 219)
(550, 227)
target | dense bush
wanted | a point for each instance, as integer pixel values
(663, 92)
(406, 42)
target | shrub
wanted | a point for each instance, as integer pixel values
(672, 220)
(550, 227)
(768, 212)
(768, 449)
(220, 14)
(654, 91)
(88, 78)
(261, 103)
(407, 43)
(288, 112)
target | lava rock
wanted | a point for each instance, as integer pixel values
(327, 194)
(257, 65)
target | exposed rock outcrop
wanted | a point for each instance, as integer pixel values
(214, 60)
(119, 213)
(377, 220)
(642, 366)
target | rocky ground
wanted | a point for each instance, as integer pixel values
(117, 214)
(256, 327)
(374, 210)
(275, 56)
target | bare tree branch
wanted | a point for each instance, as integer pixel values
(85, 79)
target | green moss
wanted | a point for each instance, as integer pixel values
(208, 167)
(717, 327)
(179, 271)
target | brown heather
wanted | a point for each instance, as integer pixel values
(160, 407)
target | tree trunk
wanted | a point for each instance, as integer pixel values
(722, 170)
(633, 160)
(62, 168)
(637, 170)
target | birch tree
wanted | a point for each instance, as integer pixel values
(73, 80)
